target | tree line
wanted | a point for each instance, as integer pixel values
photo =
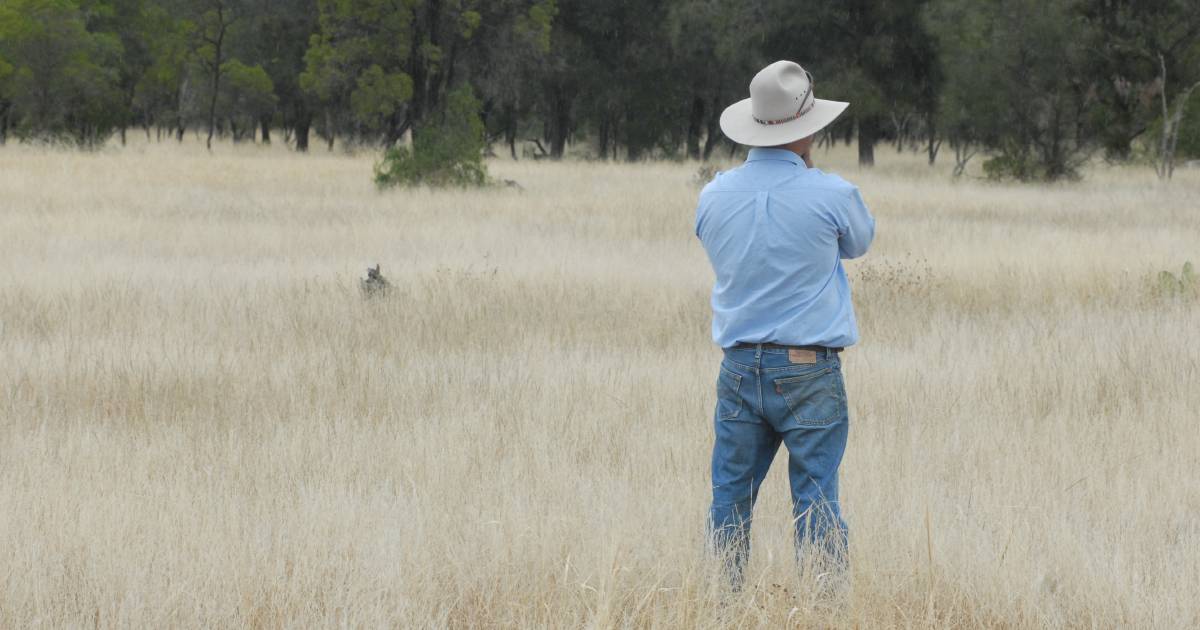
(1040, 85)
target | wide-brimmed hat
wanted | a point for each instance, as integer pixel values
(781, 109)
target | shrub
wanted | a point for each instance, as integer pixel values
(1011, 166)
(1026, 162)
(1185, 285)
(448, 153)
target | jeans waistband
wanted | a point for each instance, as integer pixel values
(775, 347)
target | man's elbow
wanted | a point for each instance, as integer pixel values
(854, 250)
(856, 247)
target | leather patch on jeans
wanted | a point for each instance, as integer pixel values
(796, 355)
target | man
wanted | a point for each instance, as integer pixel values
(775, 230)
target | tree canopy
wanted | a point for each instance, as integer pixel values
(1039, 85)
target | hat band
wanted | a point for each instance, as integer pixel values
(804, 109)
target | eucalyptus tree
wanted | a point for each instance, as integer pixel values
(275, 39)
(57, 78)
(1142, 53)
(512, 44)
(718, 47)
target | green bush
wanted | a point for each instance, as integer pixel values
(448, 153)
(1024, 166)
(1009, 166)
(1185, 285)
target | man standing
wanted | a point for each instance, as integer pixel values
(775, 230)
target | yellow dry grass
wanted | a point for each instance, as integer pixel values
(203, 424)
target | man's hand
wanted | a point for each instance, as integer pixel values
(807, 155)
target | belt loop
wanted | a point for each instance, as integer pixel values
(757, 351)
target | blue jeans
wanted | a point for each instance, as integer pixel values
(764, 399)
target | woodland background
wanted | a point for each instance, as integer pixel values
(1039, 86)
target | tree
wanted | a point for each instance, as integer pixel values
(6, 73)
(61, 79)
(446, 152)
(967, 105)
(161, 93)
(878, 55)
(388, 63)
(276, 37)
(249, 97)
(1134, 45)
(513, 41)
(1016, 85)
(1171, 124)
(358, 61)
(212, 33)
(716, 53)
(128, 22)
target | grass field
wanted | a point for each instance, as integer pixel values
(203, 424)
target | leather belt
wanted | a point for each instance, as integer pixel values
(776, 346)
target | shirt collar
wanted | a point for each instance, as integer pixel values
(763, 153)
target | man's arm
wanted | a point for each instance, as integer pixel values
(858, 230)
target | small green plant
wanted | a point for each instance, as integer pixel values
(442, 155)
(1185, 285)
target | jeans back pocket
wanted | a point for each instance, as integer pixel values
(814, 398)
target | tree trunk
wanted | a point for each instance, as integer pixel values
(614, 132)
(901, 127)
(695, 125)
(934, 143)
(713, 132)
(302, 136)
(265, 125)
(561, 120)
(212, 103)
(395, 129)
(302, 126)
(868, 135)
(962, 155)
(217, 43)
(602, 137)
(329, 129)
(510, 135)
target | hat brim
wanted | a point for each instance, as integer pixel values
(738, 124)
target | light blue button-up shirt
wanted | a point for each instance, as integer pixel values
(776, 232)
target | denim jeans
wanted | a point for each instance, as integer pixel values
(764, 399)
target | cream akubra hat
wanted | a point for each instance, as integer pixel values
(781, 108)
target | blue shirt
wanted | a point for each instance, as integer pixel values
(776, 232)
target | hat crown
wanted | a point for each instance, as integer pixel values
(780, 91)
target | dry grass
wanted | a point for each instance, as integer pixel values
(203, 424)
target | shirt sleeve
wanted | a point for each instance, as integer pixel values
(857, 229)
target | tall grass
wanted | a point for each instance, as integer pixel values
(202, 423)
